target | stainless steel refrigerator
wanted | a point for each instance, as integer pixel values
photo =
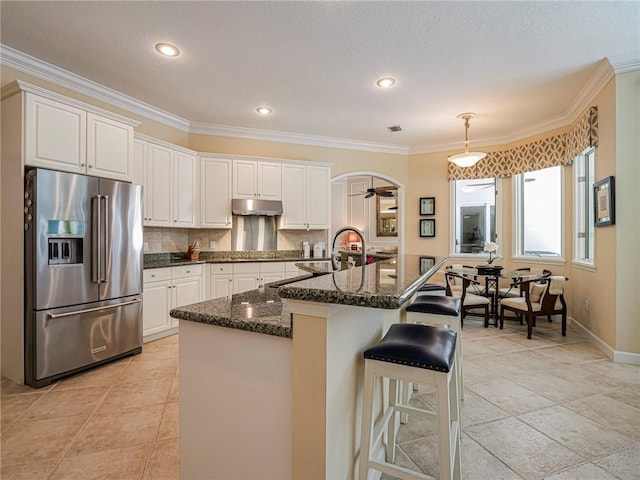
(83, 273)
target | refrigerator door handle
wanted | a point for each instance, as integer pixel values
(95, 250)
(106, 239)
(89, 310)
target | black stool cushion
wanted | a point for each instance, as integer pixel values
(436, 304)
(415, 345)
(431, 287)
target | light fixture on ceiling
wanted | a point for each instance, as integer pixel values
(264, 110)
(167, 49)
(467, 159)
(386, 82)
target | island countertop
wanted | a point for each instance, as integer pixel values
(386, 284)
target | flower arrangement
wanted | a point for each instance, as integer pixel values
(492, 248)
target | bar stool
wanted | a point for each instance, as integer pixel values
(412, 353)
(439, 310)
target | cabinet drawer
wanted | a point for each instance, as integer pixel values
(220, 268)
(251, 267)
(156, 274)
(186, 271)
(272, 267)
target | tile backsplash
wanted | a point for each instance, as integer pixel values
(164, 240)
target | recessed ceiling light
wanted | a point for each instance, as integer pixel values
(167, 50)
(264, 110)
(386, 82)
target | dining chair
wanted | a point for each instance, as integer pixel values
(456, 284)
(543, 295)
(515, 288)
(468, 300)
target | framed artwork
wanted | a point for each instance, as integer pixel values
(604, 202)
(427, 227)
(428, 206)
(426, 263)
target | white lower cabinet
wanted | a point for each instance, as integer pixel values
(164, 289)
(249, 276)
(220, 280)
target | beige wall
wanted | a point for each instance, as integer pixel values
(627, 230)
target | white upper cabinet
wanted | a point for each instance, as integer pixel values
(257, 179)
(170, 179)
(305, 197)
(215, 192)
(65, 136)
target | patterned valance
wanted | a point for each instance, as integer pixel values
(547, 152)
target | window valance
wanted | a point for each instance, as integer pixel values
(558, 149)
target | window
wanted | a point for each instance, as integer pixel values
(584, 231)
(475, 215)
(539, 213)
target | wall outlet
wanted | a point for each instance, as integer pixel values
(212, 244)
(145, 246)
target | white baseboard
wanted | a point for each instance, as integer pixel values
(614, 355)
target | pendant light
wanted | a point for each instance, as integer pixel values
(466, 159)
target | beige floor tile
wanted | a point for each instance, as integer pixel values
(625, 465)
(475, 409)
(525, 450)
(474, 373)
(609, 412)
(9, 387)
(129, 395)
(630, 396)
(503, 344)
(40, 441)
(550, 386)
(576, 432)
(13, 407)
(29, 471)
(174, 391)
(170, 424)
(164, 462)
(575, 352)
(117, 464)
(582, 472)
(424, 454)
(509, 396)
(148, 370)
(66, 403)
(627, 375)
(418, 425)
(102, 376)
(401, 460)
(120, 428)
(479, 464)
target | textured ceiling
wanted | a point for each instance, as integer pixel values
(516, 64)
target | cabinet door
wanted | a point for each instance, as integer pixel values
(271, 277)
(245, 179)
(221, 286)
(185, 174)
(55, 135)
(156, 303)
(293, 197)
(269, 181)
(215, 192)
(318, 198)
(243, 282)
(159, 184)
(109, 148)
(139, 172)
(185, 292)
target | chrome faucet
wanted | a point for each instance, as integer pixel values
(335, 256)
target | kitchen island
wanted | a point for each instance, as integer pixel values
(271, 380)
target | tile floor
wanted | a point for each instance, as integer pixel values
(548, 408)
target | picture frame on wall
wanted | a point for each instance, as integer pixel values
(428, 206)
(426, 264)
(427, 227)
(604, 202)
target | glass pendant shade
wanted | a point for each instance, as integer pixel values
(466, 159)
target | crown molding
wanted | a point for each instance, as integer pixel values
(603, 74)
(33, 66)
(286, 137)
(629, 62)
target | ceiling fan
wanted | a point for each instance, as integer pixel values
(380, 191)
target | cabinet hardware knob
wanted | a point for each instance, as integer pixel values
(90, 166)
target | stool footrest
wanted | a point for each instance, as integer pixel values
(397, 471)
(409, 409)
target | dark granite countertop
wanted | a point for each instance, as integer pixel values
(386, 284)
(162, 260)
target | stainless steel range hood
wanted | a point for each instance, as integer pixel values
(244, 206)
